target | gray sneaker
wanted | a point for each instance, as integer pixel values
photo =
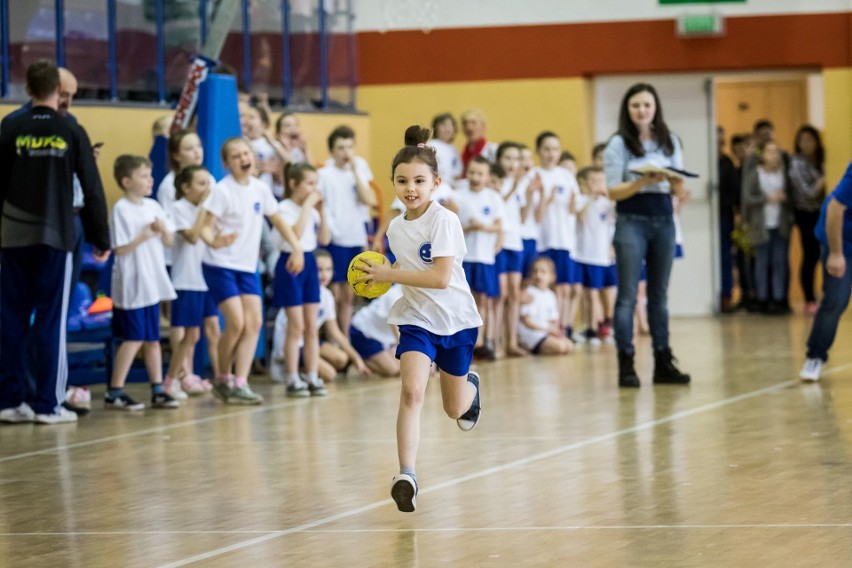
(298, 389)
(243, 395)
(318, 388)
(222, 390)
(17, 415)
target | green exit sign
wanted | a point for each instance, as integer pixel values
(703, 25)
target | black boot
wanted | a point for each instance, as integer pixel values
(665, 370)
(627, 377)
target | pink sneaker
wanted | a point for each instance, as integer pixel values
(195, 385)
(172, 388)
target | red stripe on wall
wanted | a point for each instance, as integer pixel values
(571, 50)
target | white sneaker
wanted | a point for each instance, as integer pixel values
(174, 390)
(17, 415)
(811, 370)
(64, 415)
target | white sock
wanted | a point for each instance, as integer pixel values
(311, 378)
(293, 379)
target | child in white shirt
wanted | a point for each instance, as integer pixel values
(510, 260)
(139, 229)
(299, 295)
(481, 214)
(238, 205)
(558, 225)
(540, 331)
(449, 162)
(594, 245)
(289, 134)
(270, 166)
(437, 314)
(345, 186)
(373, 337)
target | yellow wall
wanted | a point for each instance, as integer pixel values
(128, 131)
(516, 110)
(837, 84)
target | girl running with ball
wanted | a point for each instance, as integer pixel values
(437, 315)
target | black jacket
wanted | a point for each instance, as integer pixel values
(40, 151)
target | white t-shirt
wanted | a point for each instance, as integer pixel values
(166, 195)
(512, 216)
(449, 161)
(348, 216)
(139, 278)
(558, 226)
(485, 206)
(437, 233)
(264, 151)
(372, 320)
(594, 233)
(530, 228)
(239, 209)
(328, 310)
(771, 183)
(443, 194)
(542, 310)
(186, 268)
(290, 211)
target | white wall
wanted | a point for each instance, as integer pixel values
(694, 284)
(384, 15)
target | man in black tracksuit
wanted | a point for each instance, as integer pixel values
(40, 151)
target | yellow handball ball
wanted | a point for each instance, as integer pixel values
(367, 289)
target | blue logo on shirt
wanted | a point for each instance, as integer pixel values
(486, 210)
(257, 206)
(355, 188)
(426, 253)
(560, 189)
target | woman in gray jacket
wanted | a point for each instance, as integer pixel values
(767, 218)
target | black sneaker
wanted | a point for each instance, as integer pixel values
(163, 400)
(122, 402)
(469, 419)
(627, 377)
(404, 492)
(665, 371)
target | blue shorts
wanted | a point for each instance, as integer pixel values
(678, 251)
(341, 257)
(191, 307)
(611, 276)
(482, 278)
(509, 261)
(593, 276)
(452, 353)
(224, 283)
(365, 346)
(530, 254)
(140, 324)
(303, 288)
(566, 269)
(643, 274)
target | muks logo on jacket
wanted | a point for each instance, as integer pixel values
(41, 145)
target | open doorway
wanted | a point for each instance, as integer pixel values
(788, 100)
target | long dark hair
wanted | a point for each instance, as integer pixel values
(628, 131)
(819, 153)
(295, 172)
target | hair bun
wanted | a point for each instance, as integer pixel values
(416, 134)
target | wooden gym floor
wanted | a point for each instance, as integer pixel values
(745, 467)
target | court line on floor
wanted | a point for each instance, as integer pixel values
(444, 529)
(167, 427)
(483, 473)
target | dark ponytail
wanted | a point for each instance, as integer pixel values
(184, 177)
(295, 172)
(416, 149)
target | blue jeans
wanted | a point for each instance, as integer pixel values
(836, 292)
(771, 256)
(652, 239)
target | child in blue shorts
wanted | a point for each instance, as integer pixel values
(481, 215)
(437, 314)
(299, 294)
(193, 304)
(139, 230)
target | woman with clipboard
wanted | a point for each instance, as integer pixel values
(643, 163)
